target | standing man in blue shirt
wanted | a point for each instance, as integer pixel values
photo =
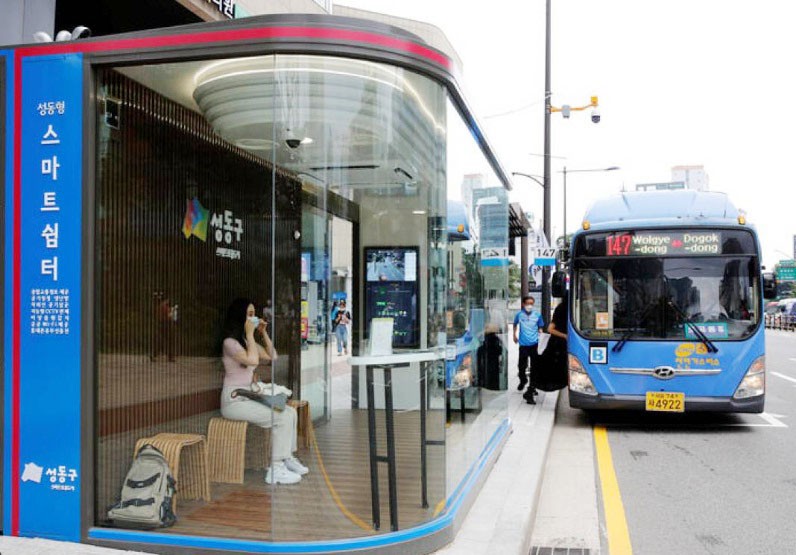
(527, 324)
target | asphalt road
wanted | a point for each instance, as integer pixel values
(712, 484)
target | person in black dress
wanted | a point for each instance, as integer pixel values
(553, 368)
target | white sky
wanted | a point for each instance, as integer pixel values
(682, 82)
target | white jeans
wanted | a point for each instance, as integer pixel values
(283, 424)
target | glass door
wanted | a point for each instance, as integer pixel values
(315, 310)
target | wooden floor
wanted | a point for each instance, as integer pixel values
(309, 511)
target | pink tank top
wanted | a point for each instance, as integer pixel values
(235, 373)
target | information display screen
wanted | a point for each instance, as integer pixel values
(391, 263)
(685, 243)
(662, 244)
(391, 291)
(396, 300)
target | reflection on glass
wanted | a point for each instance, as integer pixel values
(297, 183)
(375, 131)
(475, 367)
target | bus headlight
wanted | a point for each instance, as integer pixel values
(579, 380)
(754, 382)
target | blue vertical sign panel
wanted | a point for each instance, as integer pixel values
(8, 60)
(49, 373)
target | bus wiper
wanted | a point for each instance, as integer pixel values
(629, 333)
(622, 340)
(690, 323)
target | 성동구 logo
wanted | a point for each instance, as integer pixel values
(227, 230)
(195, 222)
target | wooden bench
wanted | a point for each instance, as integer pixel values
(233, 446)
(187, 458)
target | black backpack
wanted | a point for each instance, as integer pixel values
(147, 493)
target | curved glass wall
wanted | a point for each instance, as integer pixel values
(477, 293)
(350, 205)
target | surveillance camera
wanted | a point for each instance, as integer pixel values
(595, 116)
(81, 32)
(41, 36)
(63, 36)
(293, 142)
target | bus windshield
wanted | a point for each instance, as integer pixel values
(656, 297)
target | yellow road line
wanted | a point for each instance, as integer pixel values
(618, 534)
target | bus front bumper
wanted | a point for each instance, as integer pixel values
(692, 404)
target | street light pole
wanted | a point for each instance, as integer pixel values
(564, 171)
(565, 206)
(546, 186)
(524, 266)
(530, 176)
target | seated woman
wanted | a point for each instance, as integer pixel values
(241, 355)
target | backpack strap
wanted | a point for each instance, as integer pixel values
(136, 503)
(143, 483)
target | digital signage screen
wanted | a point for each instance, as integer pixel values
(681, 243)
(391, 291)
(656, 243)
(391, 263)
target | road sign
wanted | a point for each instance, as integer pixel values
(545, 256)
(501, 252)
(787, 263)
(786, 273)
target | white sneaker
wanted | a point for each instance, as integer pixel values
(294, 465)
(278, 473)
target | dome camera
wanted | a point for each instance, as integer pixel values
(293, 142)
(595, 116)
(41, 36)
(81, 32)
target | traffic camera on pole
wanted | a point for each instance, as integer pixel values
(566, 110)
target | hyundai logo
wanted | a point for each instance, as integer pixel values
(664, 372)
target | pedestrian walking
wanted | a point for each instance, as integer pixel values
(527, 324)
(340, 322)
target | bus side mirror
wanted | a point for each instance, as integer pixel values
(559, 284)
(769, 285)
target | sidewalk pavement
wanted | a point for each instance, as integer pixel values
(37, 546)
(501, 519)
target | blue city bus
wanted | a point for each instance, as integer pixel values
(666, 305)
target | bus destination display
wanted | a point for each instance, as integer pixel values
(688, 243)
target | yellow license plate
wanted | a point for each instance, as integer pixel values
(665, 401)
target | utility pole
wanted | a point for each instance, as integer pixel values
(546, 186)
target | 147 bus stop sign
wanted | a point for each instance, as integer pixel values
(545, 256)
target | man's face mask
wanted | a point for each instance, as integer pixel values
(528, 307)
